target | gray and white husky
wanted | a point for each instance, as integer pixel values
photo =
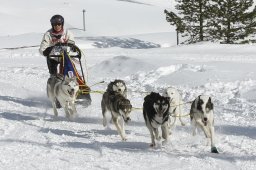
(118, 86)
(120, 109)
(201, 114)
(156, 114)
(65, 91)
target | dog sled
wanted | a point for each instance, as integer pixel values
(69, 56)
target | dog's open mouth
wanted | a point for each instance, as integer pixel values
(160, 113)
(204, 122)
(127, 119)
(71, 92)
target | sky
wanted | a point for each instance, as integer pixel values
(128, 40)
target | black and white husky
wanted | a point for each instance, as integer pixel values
(120, 109)
(65, 91)
(176, 105)
(201, 114)
(156, 114)
(118, 86)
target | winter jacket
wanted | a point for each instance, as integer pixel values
(50, 39)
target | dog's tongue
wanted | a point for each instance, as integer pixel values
(71, 93)
(160, 114)
(127, 120)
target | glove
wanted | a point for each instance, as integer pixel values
(71, 42)
(73, 48)
(47, 51)
(57, 36)
(58, 44)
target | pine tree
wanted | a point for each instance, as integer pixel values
(193, 20)
(232, 21)
(250, 22)
(175, 20)
(202, 20)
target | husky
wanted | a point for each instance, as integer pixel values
(176, 105)
(201, 115)
(120, 109)
(64, 91)
(156, 114)
(118, 86)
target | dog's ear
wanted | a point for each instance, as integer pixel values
(165, 93)
(199, 104)
(209, 104)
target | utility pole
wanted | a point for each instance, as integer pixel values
(84, 18)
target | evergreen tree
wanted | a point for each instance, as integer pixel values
(175, 20)
(232, 20)
(200, 20)
(193, 20)
(250, 22)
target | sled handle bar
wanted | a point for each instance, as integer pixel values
(60, 56)
(73, 47)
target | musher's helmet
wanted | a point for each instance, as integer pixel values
(57, 19)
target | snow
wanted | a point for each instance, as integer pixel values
(118, 43)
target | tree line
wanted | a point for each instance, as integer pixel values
(227, 21)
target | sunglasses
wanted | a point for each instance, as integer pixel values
(59, 24)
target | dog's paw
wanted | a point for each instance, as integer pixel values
(165, 142)
(67, 117)
(104, 122)
(152, 145)
(158, 138)
(55, 112)
(124, 139)
(214, 150)
(72, 118)
(107, 128)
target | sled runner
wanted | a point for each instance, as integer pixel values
(69, 56)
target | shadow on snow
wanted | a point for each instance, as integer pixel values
(237, 130)
(107, 42)
(29, 102)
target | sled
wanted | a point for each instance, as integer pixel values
(68, 52)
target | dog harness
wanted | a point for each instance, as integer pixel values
(164, 120)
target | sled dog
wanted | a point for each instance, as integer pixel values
(201, 114)
(176, 105)
(120, 109)
(118, 86)
(65, 91)
(156, 114)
